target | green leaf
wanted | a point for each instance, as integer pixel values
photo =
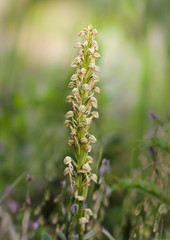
(46, 236)
(107, 234)
(144, 187)
(61, 235)
(90, 234)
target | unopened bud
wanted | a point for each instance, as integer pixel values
(78, 45)
(95, 32)
(80, 198)
(93, 101)
(82, 34)
(86, 87)
(67, 160)
(89, 211)
(84, 140)
(66, 171)
(92, 138)
(97, 90)
(90, 27)
(71, 143)
(67, 123)
(77, 59)
(82, 108)
(94, 177)
(75, 91)
(82, 220)
(92, 65)
(95, 114)
(90, 51)
(71, 85)
(69, 114)
(83, 71)
(96, 69)
(86, 167)
(74, 77)
(89, 159)
(97, 55)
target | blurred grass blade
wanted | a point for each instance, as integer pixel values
(13, 185)
(62, 235)
(144, 187)
(89, 234)
(46, 236)
(107, 234)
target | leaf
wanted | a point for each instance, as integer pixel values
(90, 234)
(144, 187)
(107, 234)
(46, 236)
(62, 235)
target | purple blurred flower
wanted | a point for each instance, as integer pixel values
(63, 183)
(105, 167)
(151, 151)
(9, 190)
(29, 178)
(34, 225)
(13, 206)
(154, 116)
(74, 208)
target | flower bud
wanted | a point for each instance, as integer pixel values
(75, 91)
(92, 65)
(80, 198)
(71, 143)
(67, 123)
(86, 87)
(78, 45)
(97, 90)
(94, 177)
(89, 159)
(83, 71)
(74, 77)
(82, 108)
(97, 55)
(89, 211)
(95, 32)
(95, 45)
(92, 138)
(69, 114)
(90, 51)
(66, 171)
(82, 220)
(95, 78)
(69, 98)
(93, 101)
(77, 59)
(67, 160)
(96, 69)
(71, 85)
(82, 34)
(95, 114)
(84, 140)
(86, 167)
(90, 27)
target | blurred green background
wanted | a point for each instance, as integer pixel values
(36, 50)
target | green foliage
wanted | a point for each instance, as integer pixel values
(139, 184)
(46, 236)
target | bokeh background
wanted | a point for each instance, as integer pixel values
(36, 50)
